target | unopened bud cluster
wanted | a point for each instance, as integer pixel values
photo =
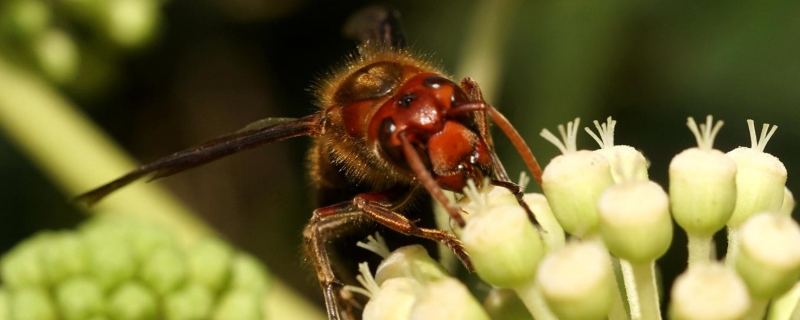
(618, 223)
(117, 269)
(43, 32)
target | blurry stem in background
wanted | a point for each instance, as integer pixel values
(77, 156)
(483, 51)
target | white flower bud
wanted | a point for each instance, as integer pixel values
(635, 221)
(503, 244)
(553, 234)
(760, 179)
(573, 182)
(577, 281)
(447, 299)
(709, 292)
(769, 254)
(788, 202)
(625, 161)
(409, 261)
(393, 301)
(702, 184)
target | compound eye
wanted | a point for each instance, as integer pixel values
(435, 82)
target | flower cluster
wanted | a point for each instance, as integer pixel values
(117, 269)
(620, 223)
(43, 33)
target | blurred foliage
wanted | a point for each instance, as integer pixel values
(160, 76)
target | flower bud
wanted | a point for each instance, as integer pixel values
(209, 263)
(447, 299)
(702, 183)
(709, 292)
(131, 23)
(504, 246)
(788, 203)
(553, 235)
(504, 304)
(22, 266)
(79, 298)
(409, 261)
(239, 305)
(57, 55)
(248, 273)
(760, 178)
(194, 301)
(635, 221)
(164, 271)
(133, 301)
(577, 281)
(769, 254)
(28, 18)
(64, 255)
(626, 162)
(111, 261)
(393, 301)
(32, 304)
(573, 182)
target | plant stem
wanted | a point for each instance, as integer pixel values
(77, 156)
(640, 283)
(733, 247)
(700, 247)
(617, 311)
(531, 296)
(644, 274)
(758, 307)
(785, 307)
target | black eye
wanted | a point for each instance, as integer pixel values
(406, 100)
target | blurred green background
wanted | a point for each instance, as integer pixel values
(162, 75)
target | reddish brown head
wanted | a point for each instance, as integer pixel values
(450, 145)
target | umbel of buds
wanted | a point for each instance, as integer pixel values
(118, 269)
(621, 224)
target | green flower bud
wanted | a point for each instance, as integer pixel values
(64, 255)
(769, 257)
(79, 298)
(164, 271)
(148, 238)
(573, 182)
(238, 305)
(447, 299)
(577, 281)
(702, 183)
(635, 221)
(248, 274)
(32, 304)
(409, 261)
(709, 292)
(133, 301)
(760, 179)
(131, 23)
(5, 311)
(788, 203)
(624, 160)
(553, 234)
(58, 55)
(209, 263)
(28, 18)
(22, 266)
(504, 246)
(192, 302)
(504, 304)
(111, 261)
(393, 301)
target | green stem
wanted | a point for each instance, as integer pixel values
(733, 246)
(77, 156)
(785, 307)
(758, 307)
(700, 248)
(640, 283)
(617, 311)
(531, 296)
(644, 274)
(631, 290)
